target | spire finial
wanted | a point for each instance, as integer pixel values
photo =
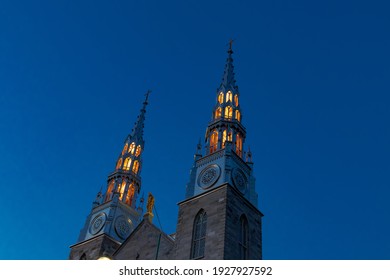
(230, 46)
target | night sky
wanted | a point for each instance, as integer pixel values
(314, 89)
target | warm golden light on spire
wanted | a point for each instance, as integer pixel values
(229, 96)
(228, 112)
(132, 148)
(130, 194)
(109, 190)
(138, 151)
(119, 163)
(214, 141)
(124, 149)
(236, 100)
(238, 115)
(135, 166)
(218, 113)
(220, 97)
(127, 163)
(239, 145)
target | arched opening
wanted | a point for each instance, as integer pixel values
(214, 141)
(130, 194)
(127, 163)
(136, 166)
(218, 113)
(228, 112)
(229, 96)
(132, 148)
(138, 151)
(238, 115)
(199, 235)
(239, 145)
(124, 149)
(236, 100)
(109, 190)
(224, 138)
(122, 189)
(220, 97)
(243, 238)
(119, 163)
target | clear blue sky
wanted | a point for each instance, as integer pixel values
(314, 84)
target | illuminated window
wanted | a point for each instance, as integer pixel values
(243, 238)
(138, 151)
(130, 194)
(199, 235)
(236, 100)
(135, 166)
(214, 141)
(109, 190)
(229, 96)
(132, 148)
(224, 138)
(127, 163)
(122, 189)
(119, 163)
(220, 98)
(218, 113)
(124, 149)
(239, 145)
(238, 115)
(228, 112)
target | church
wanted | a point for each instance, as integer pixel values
(218, 218)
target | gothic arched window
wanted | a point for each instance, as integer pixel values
(124, 149)
(136, 166)
(236, 100)
(220, 98)
(119, 163)
(239, 145)
(109, 190)
(229, 96)
(224, 138)
(199, 235)
(127, 163)
(243, 238)
(238, 115)
(132, 148)
(218, 113)
(228, 112)
(130, 194)
(213, 141)
(138, 151)
(122, 189)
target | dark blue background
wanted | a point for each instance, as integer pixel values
(314, 84)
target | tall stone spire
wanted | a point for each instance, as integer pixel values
(224, 157)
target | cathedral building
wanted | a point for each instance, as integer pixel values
(218, 217)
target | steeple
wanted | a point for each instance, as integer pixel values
(224, 160)
(115, 212)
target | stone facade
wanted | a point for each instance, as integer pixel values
(147, 242)
(219, 218)
(94, 248)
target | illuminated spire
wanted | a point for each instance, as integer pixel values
(228, 81)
